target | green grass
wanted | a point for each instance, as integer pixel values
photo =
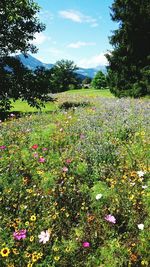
(23, 107)
(92, 92)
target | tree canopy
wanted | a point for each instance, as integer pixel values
(129, 69)
(63, 75)
(99, 81)
(18, 24)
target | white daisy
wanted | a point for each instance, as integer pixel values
(98, 196)
(44, 237)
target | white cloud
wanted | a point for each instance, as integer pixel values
(78, 17)
(40, 38)
(80, 44)
(95, 61)
(71, 14)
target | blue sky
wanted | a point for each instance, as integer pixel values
(77, 30)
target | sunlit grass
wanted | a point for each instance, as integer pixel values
(92, 92)
(22, 106)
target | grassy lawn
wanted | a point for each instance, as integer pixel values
(92, 92)
(22, 106)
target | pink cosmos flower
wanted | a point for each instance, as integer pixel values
(82, 136)
(65, 169)
(44, 149)
(68, 161)
(110, 218)
(21, 234)
(35, 155)
(2, 147)
(41, 160)
(86, 244)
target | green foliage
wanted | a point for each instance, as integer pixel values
(99, 81)
(63, 76)
(129, 61)
(51, 181)
(18, 82)
(18, 24)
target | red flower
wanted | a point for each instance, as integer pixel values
(34, 146)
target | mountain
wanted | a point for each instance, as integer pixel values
(32, 63)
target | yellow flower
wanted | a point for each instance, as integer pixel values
(5, 252)
(144, 262)
(27, 254)
(56, 258)
(29, 191)
(131, 197)
(27, 223)
(68, 249)
(18, 220)
(33, 218)
(40, 172)
(55, 249)
(40, 255)
(54, 216)
(35, 257)
(29, 264)
(31, 238)
(15, 251)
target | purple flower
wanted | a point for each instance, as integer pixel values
(35, 155)
(41, 160)
(44, 149)
(86, 244)
(21, 234)
(2, 147)
(110, 218)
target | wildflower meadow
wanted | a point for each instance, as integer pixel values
(74, 184)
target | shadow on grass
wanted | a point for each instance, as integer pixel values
(20, 114)
(67, 105)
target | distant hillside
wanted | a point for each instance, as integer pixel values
(32, 63)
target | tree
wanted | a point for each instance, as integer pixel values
(86, 82)
(129, 69)
(18, 24)
(99, 81)
(63, 75)
(18, 82)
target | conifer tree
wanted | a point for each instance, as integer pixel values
(129, 62)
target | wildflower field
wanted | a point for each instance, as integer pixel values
(74, 185)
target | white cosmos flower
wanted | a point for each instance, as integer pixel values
(98, 196)
(44, 237)
(140, 173)
(140, 226)
(144, 186)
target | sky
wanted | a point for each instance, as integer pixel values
(76, 30)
